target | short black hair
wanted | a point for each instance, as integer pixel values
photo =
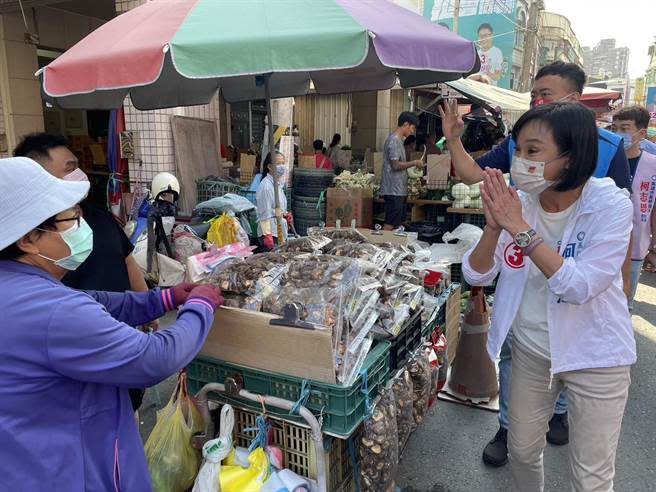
(13, 252)
(37, 146)
(574, 129)
(408, 117)
(485, 25)
(567, 71)
(639, 115)
(317, 144)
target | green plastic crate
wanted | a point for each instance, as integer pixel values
(343, 408)
(207, 189)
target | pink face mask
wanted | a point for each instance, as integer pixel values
(77, 175)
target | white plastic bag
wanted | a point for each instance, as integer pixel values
(214, 452)
(466, 234)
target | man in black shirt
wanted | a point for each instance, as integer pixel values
(111, 266)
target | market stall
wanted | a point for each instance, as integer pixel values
(191, 49)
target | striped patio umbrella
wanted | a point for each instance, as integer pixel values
(169, 53)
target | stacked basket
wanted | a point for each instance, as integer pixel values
(309, 203)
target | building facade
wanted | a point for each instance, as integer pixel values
(606, 60)
(557, 40)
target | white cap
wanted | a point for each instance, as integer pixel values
(29, 195)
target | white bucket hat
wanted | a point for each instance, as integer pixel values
(29, 195)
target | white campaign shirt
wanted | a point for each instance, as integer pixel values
(531, 329)
(491, 62)
(588, 316)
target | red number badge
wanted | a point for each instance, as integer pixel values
(514, 256)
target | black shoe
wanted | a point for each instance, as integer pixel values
(496, 451)
(558, 433)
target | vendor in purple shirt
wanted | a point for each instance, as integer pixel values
(67, 357)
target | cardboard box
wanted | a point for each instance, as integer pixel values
(452, 324)
(374, 163)
(307, 161)
(438, 171)
(246, 338)
(247, 168)
(349, 205)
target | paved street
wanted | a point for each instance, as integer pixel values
(444, 454)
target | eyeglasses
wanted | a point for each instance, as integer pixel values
(76, 218)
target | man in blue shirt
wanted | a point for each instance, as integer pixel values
(558, 81)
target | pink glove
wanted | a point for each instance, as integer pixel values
(268, 241)
(206, 294)
(177, 295)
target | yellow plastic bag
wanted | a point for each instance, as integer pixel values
(223, 231)
(172, 461)
(236, 478)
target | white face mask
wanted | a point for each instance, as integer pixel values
(528, 175)
(77, 175)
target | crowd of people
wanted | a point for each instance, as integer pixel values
(566, 243)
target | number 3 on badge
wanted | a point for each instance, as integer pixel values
(514, 256)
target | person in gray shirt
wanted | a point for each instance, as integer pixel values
(394, 183)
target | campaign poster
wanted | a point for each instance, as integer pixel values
(651, 101)
(491, 24)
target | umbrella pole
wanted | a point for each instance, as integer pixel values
(276, 190)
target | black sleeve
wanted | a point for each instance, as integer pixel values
(618, 170)
(112, 225)
(127, 246)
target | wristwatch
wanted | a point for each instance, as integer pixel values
(523, 239)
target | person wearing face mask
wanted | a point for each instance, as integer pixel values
(110, 266)
(560, 292)
(556, 82)
(631, 123)
(267, 229)
(68, 357)
(561, 82)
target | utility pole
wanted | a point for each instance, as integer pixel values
(456, 15)
(529, 60)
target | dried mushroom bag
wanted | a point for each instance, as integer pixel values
(241, 277)
(404, 397)
(307, 244)
(350, 234)
(314, 283)
(420, 372)
(379, 446)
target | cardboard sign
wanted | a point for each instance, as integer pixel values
(438, 171)
(307, 161)
(349, 205)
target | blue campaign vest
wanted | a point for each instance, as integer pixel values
(608, 145)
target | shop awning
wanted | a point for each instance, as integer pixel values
(513, 104)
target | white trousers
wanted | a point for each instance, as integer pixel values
(597, 398)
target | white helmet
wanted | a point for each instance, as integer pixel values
(165, 182)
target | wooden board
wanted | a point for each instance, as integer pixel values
(246, 338)
(197, 155)
(452, 324)
(465, 211)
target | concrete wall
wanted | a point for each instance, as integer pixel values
(19, 88)
(371, 119)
